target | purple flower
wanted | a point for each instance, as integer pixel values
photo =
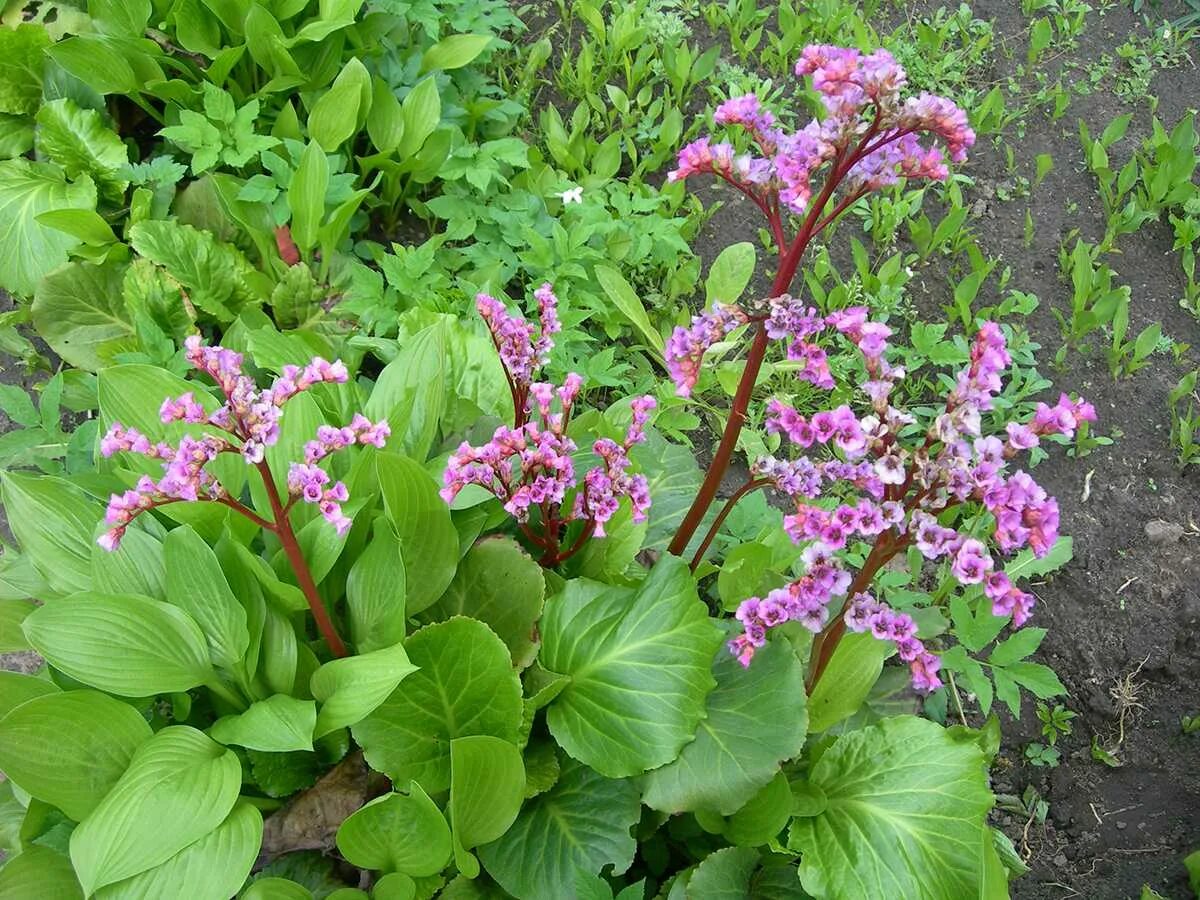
(687, 346)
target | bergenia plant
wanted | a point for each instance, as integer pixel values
(530, 467)
(879, 476)
(247, 423)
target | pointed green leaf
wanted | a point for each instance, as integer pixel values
(54, 522)
(278, 724)
(847, 680)
(196, 584)
(69, 749)
(639, 661)
(213, 868)
(39, 873)
(350, 689)
(730, 273)
(137, 566)
(454, 52)
(16, 689)
(375, 592)
(622, 294)
(120, 643)
(179, 786)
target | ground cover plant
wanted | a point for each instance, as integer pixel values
(595, 449)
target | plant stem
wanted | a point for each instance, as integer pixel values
(291, 549)
(725, 511)
(221, 690)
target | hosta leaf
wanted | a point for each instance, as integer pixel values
(78, 311)
(423, 525)
(213, 868)
(847, 680)
(179, 787)
(16, 689)
(582, 823)
(79, 141)
(731, 271)
(69, 749)
(397, 833)
(375, 592)
(906, 806)
(28, 249)
(39, 873)
(350, 689)
(464, 685)
(756, 719)
(120, 643)
(498, 583)
(487, 785)
(53, 521)
(278, 724)
(411, 391)
(137, 566)
(196, 584)
(639, 661)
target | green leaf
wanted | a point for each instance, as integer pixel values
(69, 749)
(210, 269)
(847, 680)
(756, 718)
(12, 614)
(397, 833)
(29, 249)
(278, 724)
(53, 521)
(123, 644)
(196, 584)
(730, 273)
(411, 391)
(385, 121)
(1017, 646)
(179, 786)
(22, 59)
(132, 394)
(907, 805)
(421, 519)
(213, 868)
(487, 786)
(336, 115)
(498, 583)
(79, 141)
(350, 689)
(16, 689)
(125, 18)
(582, 823)
(454, 52)
(1191, 862)
(135, 567)
(375, 592)
(639, 662)
(421, 111)
(1038, 679)
(464, 686)
(763, 817)
(78, 311)
(724, 875)
(621, 293)
(39, 873)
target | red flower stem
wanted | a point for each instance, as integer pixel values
(725, 511)
(245, 511)
(826, 642)
(291, 549)
(553, 559)
(790, 259)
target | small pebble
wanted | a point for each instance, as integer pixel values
(1061, 860)
(1160, 532)
(1121, 826)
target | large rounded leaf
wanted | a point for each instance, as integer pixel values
(397, 833)
(39, 873)
(464, 685)
(69, 749)
(639, 662)
(905, 812)
(213, 868)
(487, 786)
(179, 786)
(498, 583)
(756, 719)
(277, 724)
(121, 643)
(79, 311)
(582, 823)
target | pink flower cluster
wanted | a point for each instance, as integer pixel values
(249, 423)
(531, 465)
(869, 135)
(897, 496)
(686, 348)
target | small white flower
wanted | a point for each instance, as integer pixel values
(572, 195)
